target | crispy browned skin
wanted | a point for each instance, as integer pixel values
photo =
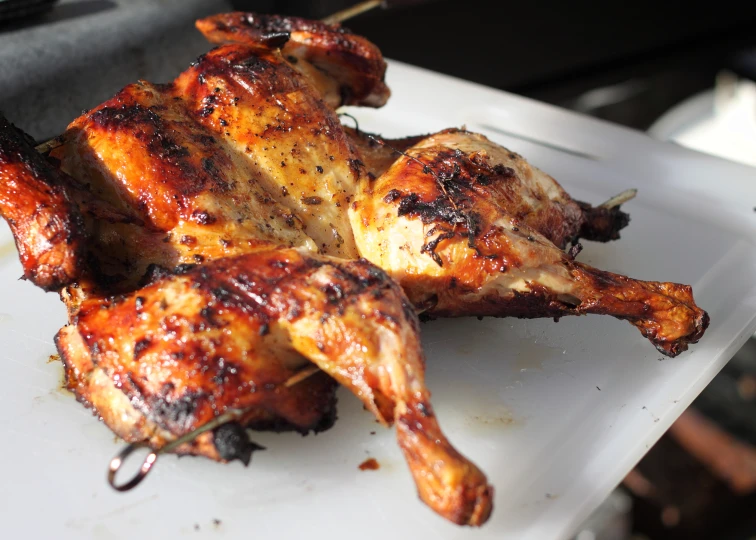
(34, 201)
(238, 154)
(529, 194)
(276, 122)
(228, 334)
(157, 187)
(308, 405)
(469, 228)
(353, 66)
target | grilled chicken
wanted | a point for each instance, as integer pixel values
(204, 235)
(166, 359)
(470, 228)
(217, 176)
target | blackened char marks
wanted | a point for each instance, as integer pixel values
(258, 71)
(232, 442)
(202, 217)
(503, 171)
(131, 115)
(189, 171)
(458, 172)
(602, 224)
(146, 125)
(430, 247)
(370, 274)
(268, 24)
(141, 345)
(392, 195)
(254, 67)
(443, 212)
(175, 412)
(267, 286)
(441, 209)
(17, 147)
(276, 40)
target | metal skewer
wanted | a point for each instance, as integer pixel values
(149, 461)
(46, 146)
(352, 11)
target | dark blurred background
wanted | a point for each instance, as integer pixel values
(627, 62)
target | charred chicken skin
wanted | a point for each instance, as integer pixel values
(206, 238)
(44, 220)
(346, 69)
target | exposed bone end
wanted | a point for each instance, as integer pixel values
(619, 199)
(53, 143)
(458, 491)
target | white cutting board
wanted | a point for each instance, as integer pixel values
(556, 414)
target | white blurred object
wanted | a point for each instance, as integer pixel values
(610, 521)
(721, 122)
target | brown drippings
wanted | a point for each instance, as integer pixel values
(63, 388)
(370, 464)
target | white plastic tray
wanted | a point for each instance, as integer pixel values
(556, 414)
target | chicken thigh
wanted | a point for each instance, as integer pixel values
(470, 228)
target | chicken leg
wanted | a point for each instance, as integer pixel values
(469, 228)
(166, 359)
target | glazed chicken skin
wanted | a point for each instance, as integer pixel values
(168, 358)
(540, 200)
(44, 220)
(235, 156)
(469, 228)
(346, 68)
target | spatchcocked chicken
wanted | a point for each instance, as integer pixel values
(213, 237)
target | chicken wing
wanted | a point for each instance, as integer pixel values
(469, 228)
(164, 360)
(44, 220)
